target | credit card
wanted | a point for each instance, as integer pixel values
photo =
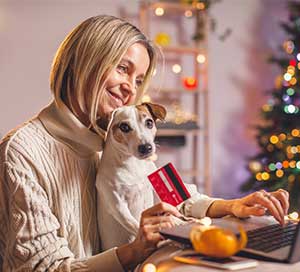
(168, 185)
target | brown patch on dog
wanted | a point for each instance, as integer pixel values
(157, 111)
(143, 111)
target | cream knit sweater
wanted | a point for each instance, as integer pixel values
(47, 197)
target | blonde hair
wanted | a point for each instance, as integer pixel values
(85, 58)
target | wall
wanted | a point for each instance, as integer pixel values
(31, 30)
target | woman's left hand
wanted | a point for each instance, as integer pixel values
(257, 203)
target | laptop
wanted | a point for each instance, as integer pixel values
(267, 240)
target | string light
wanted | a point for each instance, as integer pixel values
(285, 164)
(176, 68)
(287, 76)
(298, 164)
(265, 176)
(293, 62)
(295, 132)
(279, 173)
(290, 91)
(200, 6)
(282, 136)
(188, 13)
(159, 11)
(298, 56)
(274, 139)
(293, 81)
(272, 166)
(149, 267)
(258, 176)
(201, 58)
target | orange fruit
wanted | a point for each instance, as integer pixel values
(217, 242)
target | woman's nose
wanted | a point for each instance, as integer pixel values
(129, 86)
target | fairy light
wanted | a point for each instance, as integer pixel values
(298, 65)
(293, 81)
(159, 11)
(282, 137)
(258, 176)
(176, 68)
(295, 132)
(272, 166)
(292, 164)
(298, 56)
(285, 164)
(146, 98)
(298, 164)
(290, 91)
(255, 166)
(265, 176)
(188, 13)
(201, 58)
(279, 173)
(274, 139)
(278, 165)
(293, 62)
(294, 150)
(149, 267)
(287, 77)
(200, 6)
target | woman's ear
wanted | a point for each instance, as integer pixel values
(157, 111)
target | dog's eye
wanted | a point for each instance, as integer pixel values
(149, 123)
(124, 127)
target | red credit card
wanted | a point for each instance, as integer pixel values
(168, 185)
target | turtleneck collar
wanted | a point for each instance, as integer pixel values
(62, 124)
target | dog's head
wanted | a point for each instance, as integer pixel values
(132, 129)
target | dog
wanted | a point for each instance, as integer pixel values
(123, 190)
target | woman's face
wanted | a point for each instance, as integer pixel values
(124, 81)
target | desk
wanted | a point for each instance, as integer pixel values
(162, 259)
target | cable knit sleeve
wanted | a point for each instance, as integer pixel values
(29, 231)
(197, 205)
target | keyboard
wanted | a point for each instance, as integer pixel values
(271, 237)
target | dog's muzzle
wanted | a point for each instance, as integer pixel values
(145, 149)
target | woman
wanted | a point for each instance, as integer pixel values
(48, 165)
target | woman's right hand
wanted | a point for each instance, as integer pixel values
(152, 220)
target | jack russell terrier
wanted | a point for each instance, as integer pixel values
(124, 191)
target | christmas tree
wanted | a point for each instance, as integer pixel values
(277, 164)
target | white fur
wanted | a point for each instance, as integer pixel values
(122, 185)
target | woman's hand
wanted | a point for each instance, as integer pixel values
(152, 220)
(257, 203)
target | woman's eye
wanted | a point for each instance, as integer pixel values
(149, 123)
(124, 127)
(123, 68)
(138, 82)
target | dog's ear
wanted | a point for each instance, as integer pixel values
(157, 111)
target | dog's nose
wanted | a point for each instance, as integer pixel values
(145, 149)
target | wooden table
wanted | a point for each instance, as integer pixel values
(163, 257)
(163, 260)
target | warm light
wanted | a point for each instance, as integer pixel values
(294, 150)
(206, 221)
(146, 98)
(293, 164)
(298, 65)
(274, 139)
(149, 267)
(293, 81)
(258, 176)
(190, 82)
(159, 11)
(295, 132)
(265, 176)
(282, 136)
(162, 39)
(188, 13)
(298, 164)
(298, 56)
(279, 173)
(293, 215)
(285, 164)
(200, 5)
(201, 58)
(254, 166)
(176, 68)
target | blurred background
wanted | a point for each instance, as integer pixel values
(217, 98)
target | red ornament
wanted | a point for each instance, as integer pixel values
(190, 83)
(293, 62)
